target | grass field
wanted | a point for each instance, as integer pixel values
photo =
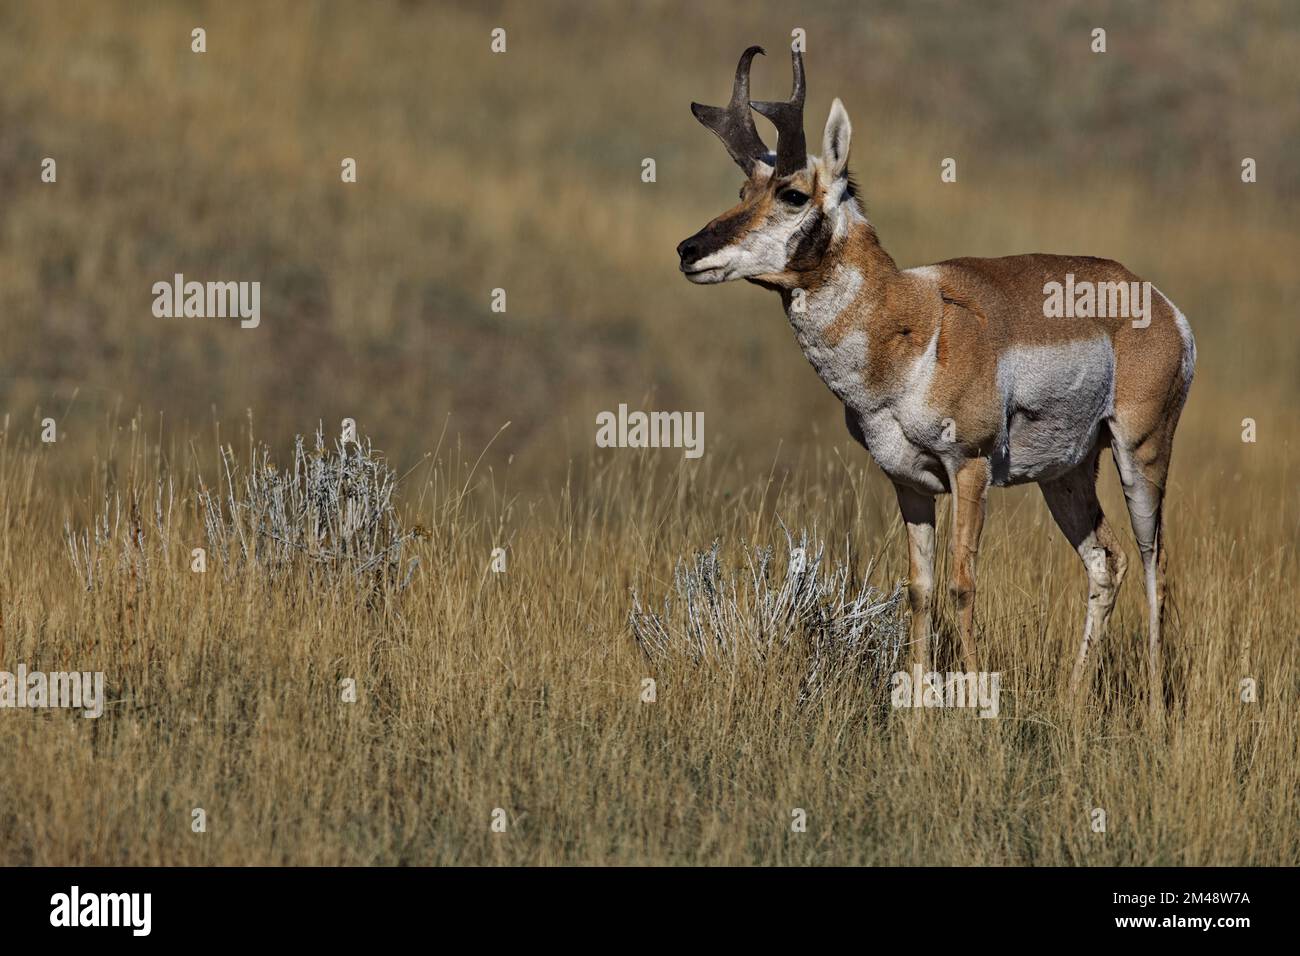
(521, 691)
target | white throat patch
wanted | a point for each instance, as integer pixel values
(842, 364)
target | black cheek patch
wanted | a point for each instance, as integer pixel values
(808, 245)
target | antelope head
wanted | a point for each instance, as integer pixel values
(792, 205)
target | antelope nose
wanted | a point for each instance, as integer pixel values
(688, 250)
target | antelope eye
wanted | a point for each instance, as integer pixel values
(792, 197)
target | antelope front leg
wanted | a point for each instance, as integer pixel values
(970, 487)
(918, 515)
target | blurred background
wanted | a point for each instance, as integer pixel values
(522, 171)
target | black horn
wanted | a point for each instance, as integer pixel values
(787, 117)
(733, 123)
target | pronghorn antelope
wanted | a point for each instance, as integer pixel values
(952, 375)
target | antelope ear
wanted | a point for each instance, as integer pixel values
(835, 141)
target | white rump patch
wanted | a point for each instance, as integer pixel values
(1189, 344)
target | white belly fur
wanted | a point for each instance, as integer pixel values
(901, 458)
(1055, 399)
(902, 433)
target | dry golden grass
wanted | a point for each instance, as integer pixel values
(521, 690)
